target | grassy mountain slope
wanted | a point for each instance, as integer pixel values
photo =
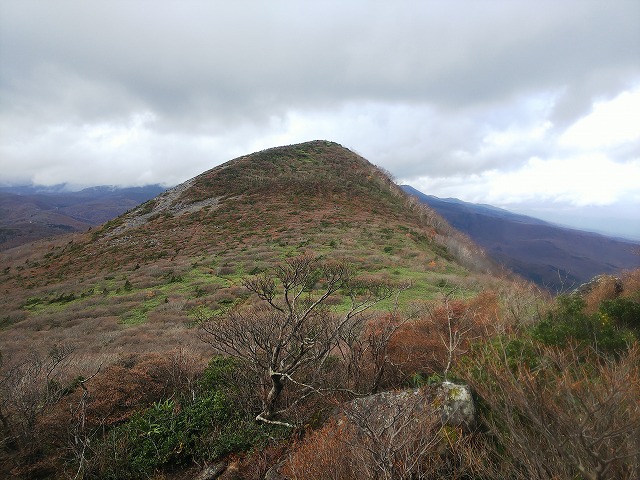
(552, 256)
(103, 374)
(189, 247)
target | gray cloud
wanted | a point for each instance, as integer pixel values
(423, 88)
(253, 58)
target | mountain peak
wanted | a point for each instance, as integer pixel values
(316, 196)
(315, 164)
(319, 169)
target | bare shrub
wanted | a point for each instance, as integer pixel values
(608, 288)
(522, 304)
(631, 285)
(325, 453)
(559, 413)
(258, 462)
(395, 440)
(288, 335)
(365, 353)
(397, 436)
(64, 433)
(28, 389)
(414, 348)
(441, 332)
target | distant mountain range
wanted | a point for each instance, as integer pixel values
(555, 257)
(28, 213)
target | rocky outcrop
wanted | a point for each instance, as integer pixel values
(456, 405)
(404, 417)
(599, 280)
(212, 472)
(167, 203)
(448, 403)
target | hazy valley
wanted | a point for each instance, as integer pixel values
(552, 256)
(31, 213)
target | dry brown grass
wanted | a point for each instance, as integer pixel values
(631, 282)
(421, 345)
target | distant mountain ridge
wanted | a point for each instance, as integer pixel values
(29, 213)
(552, 256)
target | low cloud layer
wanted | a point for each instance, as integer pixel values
(517, 104)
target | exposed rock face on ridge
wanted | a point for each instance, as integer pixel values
(166, 203)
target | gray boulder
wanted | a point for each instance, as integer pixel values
(456, 405)
(212, 472)
(450, 404)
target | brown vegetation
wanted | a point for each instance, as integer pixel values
(268, 267)
(291, 331)
(440, 332)
(568, 414)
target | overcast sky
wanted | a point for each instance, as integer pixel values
(533, 106)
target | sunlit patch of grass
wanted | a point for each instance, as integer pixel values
(43, 307)
(138, 315)
(56, 302)
(203, 276)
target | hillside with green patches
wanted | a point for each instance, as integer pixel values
(191, 245)
(235, 321)
(126, 299)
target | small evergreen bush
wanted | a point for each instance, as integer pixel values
(605, 330)
(172, 432)
(623, 312)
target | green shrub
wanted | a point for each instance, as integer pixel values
(155, 437)
(218, 374)
(623, 312)
(63, 298)
(515, 352)
(173, 432)
(521, 351)
(603, 330)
